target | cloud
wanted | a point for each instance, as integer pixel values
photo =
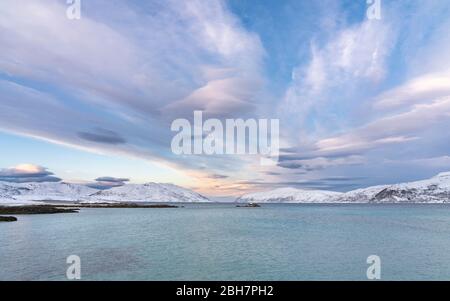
(305, 184)
(104, 183)
(112, 179)
(355, 56)
(104, 84)
(24, 173)
(349, 108)
(319, 163)
(138, 72)
(291, 165)
(420, 89)
(354, 92)
(272, 173)
(396, 129)
(102, 136)
(217, 176)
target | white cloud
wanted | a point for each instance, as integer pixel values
(117, 69)
(122, 65)
(25, 172)
(394, 129)
(421, 89)
(353, 57)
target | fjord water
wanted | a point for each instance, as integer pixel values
(222, 242)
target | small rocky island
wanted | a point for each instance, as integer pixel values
(8, 219)
(249, 205)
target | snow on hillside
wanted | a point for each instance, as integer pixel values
(434, 190)
(8, 194)
(150, 192)
(289, 195)
(29, 193)
(54, 191)
(363, 195)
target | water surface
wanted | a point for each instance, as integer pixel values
(221, 242)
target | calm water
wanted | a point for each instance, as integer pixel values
(221, 242)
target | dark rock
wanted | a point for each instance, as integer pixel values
(249, 205)
(393, 194)
(52, 209)
(36, 209)
(124, 205)
(8, 219)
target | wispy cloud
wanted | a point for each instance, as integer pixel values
(111, 86)
(362, 93)
(102, 136)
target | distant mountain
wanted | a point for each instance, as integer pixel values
(28, 193)
(8, 192)
(289, 195)
(434, 190)
(24, 193)
(150, 192)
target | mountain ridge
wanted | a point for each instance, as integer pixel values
(435, 190)
(35, 193)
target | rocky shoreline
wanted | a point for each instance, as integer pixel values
(120, 205)
(36, 209)
(66, 208)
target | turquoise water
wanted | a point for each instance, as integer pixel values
(221, 242)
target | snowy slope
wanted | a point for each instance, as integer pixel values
(28, 193)
(58, 191)
(10, 194)
(289, 195)
(150, 192)
(363, 195)
(434, 190)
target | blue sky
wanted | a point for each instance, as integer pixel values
(360, 102)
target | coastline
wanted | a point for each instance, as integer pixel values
(66, 208)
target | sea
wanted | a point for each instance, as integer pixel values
(223, 242)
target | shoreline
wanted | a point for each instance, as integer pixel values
(66, 208)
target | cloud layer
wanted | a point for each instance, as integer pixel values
(25, 173)
(356, 98)
(108, 182)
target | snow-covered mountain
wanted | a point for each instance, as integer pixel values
(8, 193)
(55, 192)
(30, 193)
(289, 195)
(150, 192)
(434, 190)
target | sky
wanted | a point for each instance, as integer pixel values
(360, 101)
